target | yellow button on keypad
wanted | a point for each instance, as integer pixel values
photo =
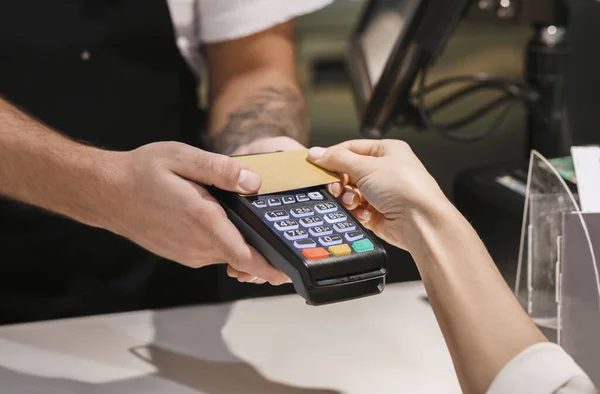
(340, 250)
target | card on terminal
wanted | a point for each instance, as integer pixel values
(284, 171)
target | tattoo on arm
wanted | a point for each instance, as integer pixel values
(271, 112)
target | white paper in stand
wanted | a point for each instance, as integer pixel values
(586, 160)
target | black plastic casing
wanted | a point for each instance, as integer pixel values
(319, 282)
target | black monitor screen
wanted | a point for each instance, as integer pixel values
(382, 30)
(392, 43)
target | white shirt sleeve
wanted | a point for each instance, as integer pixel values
(222, 20)
(544, 368)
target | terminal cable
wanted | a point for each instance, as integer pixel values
(515, 92)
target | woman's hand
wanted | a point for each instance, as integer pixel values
(482, 322)
(384, 184)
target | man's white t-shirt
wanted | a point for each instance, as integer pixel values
(208, 21)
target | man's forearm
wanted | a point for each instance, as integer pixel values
(40, 167)
(254, 106)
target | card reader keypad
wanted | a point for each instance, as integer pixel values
(301, 212)
(277, 215)
(286, 225)
(313, 224)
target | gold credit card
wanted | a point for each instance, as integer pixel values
(285, 171)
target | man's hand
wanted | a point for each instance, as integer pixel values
(256, 103)
(151, 195)
(262, 145)
(162, 207)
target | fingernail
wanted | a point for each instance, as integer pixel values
(316, 153)
(364, 215)
(348, 198)
(249, 181)
(335, 189)
(254, 279)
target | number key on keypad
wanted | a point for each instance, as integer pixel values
(288, 199)
(286, 225)
(343, 227)
(330, 240)
(305, 243)
(294, 235)
(320, 231)
(302, 212)
(311, 221)
(335, 217)
(354, 235)
(326, 207)
(276, 215)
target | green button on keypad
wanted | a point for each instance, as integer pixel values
(364, 245)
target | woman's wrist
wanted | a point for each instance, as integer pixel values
(425, 224)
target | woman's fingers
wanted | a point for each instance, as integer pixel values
(341, 161)
(373, 148)
(335, 189)
(363, 214)
(350, 198)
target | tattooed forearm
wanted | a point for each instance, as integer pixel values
(271, 112)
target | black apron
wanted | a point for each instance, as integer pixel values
(107, 72)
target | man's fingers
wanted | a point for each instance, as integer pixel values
(340, 160)
(249, 266)
(241, 256)
(244, 277)
(232, 272)
(257, 266)
(248, 278)
(221, 171)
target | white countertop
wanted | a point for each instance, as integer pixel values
(389, 343)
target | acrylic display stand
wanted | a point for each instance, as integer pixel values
(557, 275)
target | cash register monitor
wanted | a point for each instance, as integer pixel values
(393, 41)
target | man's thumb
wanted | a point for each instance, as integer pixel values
(221, 171)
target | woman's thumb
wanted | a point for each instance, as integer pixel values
(339, 160)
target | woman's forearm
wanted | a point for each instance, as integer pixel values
(482, 322)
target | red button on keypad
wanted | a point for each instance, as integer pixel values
(315, 253)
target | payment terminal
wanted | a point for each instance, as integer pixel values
(311, 237)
